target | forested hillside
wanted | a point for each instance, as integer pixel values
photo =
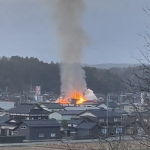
(16, 74)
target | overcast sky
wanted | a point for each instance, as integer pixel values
(27, 29)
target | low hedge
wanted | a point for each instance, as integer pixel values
(12, 139)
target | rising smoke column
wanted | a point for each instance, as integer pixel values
(72, 39)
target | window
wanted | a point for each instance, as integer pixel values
(23, 127)
(116, 119)
(53, 134)
(14, 132)
(101, 120)
(39, 117)
(27, 118)
(41, 135)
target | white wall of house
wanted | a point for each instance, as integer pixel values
(72, 125)
(66, 117)
(60, 117)
(103, 106)
(87, 114)
(128, 108)
(56, 116)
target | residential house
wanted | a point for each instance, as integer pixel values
(140, 121)
(7, 127)
(71, 126)
(65, 115)
(28, 111)
(3, 119)
(133, 107)
(111, 105)
(38, 129)
(123, 113)
(105, 119)
(51, 107)
(102, 115)
(87, 129)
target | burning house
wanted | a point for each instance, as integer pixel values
(71, 40)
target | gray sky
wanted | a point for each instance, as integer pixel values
(27, 29)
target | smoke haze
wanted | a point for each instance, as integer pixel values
(71, 39)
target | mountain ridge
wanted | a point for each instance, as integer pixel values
(112, 65)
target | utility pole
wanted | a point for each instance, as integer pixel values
(31, 86)
(107, 112)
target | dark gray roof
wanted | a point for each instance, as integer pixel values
(53, 105)
(4, 118)
(89, 118)
(112, 105)
(120, 111)
(37, 111)
(86, 125)
(103, 113)
(71, 112)
(41, 123)
(1, 109)
(8, 125)
(23, 108)
(76, 122)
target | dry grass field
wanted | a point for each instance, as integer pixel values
(130, 145)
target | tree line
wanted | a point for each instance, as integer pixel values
(17, 72)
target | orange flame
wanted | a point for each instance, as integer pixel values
(77, 96)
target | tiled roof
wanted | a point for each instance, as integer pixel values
(4, 118)
(53, 105)
(71, 112)
(103, 113)
(112, 104)
(37, 111)
(86, 125)
(120, 111)
(23, 108)
(76, 122)
(41, 123)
